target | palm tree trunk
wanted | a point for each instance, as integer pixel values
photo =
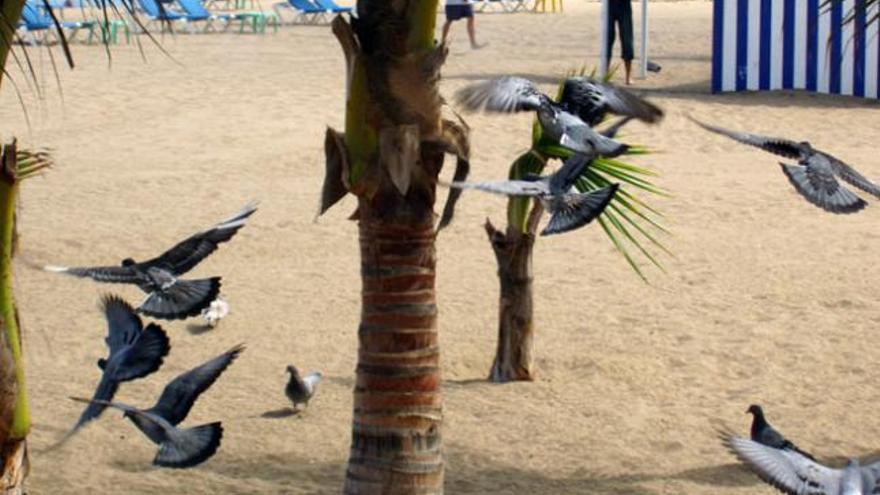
(14, 415)
(513, 254)
(390, 156)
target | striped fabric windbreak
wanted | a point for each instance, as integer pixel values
(795, 44)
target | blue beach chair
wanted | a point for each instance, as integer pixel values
(37, 20)
(330, 6)
(306, 11)
(155, 14)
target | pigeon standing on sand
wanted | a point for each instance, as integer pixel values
(167, 296)
(300, 389)
(584, 103)
(180, 447)
(814, 177)
(217, 310)
(792, 473)
(135, 352)
(568, 210)
(763, 433)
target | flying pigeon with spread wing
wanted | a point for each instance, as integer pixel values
(135, 352)
(169, 297)
(585, 102)
(568, 210)
(815, 176)
(180, 447)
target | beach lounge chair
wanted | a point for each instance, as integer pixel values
(156, 14)
(195, 12)
(306, 11)
(330, 6)
(36, 20)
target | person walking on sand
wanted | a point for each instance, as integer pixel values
(620, 11)
(458, 9)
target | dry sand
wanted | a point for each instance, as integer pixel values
(767, 300)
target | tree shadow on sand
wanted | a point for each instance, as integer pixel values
(470, 473)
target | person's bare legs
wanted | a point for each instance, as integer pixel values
(445, 31)
(627, 68)
(472, 33)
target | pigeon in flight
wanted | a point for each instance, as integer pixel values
(584, 103)
(300, 389)
(568, 210)
(815, 175)
(167, 296)
(180, 447)
(763, 433)
(135, 352)
(794, 474)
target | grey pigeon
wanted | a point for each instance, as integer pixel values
(135, 352)
(815, 175)
(584, 103)
(592, 100)
(300, 389)
(180, 447)
(763, 433)
(568, 210)
(167, 296)
(792, 473)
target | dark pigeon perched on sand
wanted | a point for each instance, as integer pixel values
(135, 352)
(300, 389)
(585, 103)
(568, 210)
(763, 433)
(180, 447)
(795, 474)
(815, 175)
(169, 297)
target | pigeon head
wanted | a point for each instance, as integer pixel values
(806, 144)
(128, 262)
(755, 409)
(292, 370)
(102, 363)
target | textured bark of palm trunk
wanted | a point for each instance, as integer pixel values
(396, 441)
(513, 254)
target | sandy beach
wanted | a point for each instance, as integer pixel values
(767, 300)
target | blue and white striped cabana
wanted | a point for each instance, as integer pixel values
(795, 44)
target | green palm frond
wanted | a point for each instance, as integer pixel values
(630, 223)
(32, 162)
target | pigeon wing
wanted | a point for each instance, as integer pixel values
(820, 188)
(576, 210)
(181, 299)
(507, 94)
(105, 391)
(188, 447)
(311, 381)
(180, 395)
(188, 253)
(145, 355)
(564, 178)
(109, 274)
(590, 99)
(851, 176)
(123, 324)
(582, 138)
(778, 146)
(506, 187)
(787, 471)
